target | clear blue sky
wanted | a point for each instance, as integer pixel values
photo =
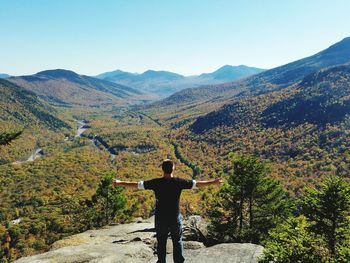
(183, 36)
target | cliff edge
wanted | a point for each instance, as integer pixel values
(135, 242)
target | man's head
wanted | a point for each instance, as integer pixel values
(168, 166)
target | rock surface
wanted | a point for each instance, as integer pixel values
(136, 243)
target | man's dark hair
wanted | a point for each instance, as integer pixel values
(168, 166)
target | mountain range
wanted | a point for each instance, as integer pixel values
(164, 83)
(201, 100)
(67, 88)
(118, 88)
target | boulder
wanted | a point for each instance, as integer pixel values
(195, 229)
(225, 253)
(135, 242)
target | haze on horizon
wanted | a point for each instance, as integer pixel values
(186, 37)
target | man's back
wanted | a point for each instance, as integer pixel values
(167, 192)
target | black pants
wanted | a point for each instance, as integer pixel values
(163, 227)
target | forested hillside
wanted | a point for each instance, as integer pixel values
(67, 88)
(321, 98)
(22, 111)
(23, 107)
(302, 129)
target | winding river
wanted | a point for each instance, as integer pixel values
(36, 154)
(96, 140)
(82, 126)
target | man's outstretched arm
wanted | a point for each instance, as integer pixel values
(216, 181)
(125, 183)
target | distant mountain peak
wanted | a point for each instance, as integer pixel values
(116, 74)
(4, 76)
(230, 67)
(161, 74)
(150, 71)
(119, 71)
(225, 67)
(58, 73)
(228, 72)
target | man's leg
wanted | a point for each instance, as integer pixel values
(176, 236)
(162, 230)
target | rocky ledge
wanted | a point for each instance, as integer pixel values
(135, 242)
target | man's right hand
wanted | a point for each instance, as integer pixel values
(218, 181)
(116, 182)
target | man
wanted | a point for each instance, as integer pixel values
(167, 215)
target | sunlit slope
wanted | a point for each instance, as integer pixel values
(67, 88)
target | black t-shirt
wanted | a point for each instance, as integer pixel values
(168, 191)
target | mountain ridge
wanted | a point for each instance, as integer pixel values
(65, 88)
(285, 75)
(316, 99)
(165, 83)
(202, 99)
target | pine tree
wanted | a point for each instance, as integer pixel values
(104, 205)
(249, 204)
(329, 208)
(291, 242)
